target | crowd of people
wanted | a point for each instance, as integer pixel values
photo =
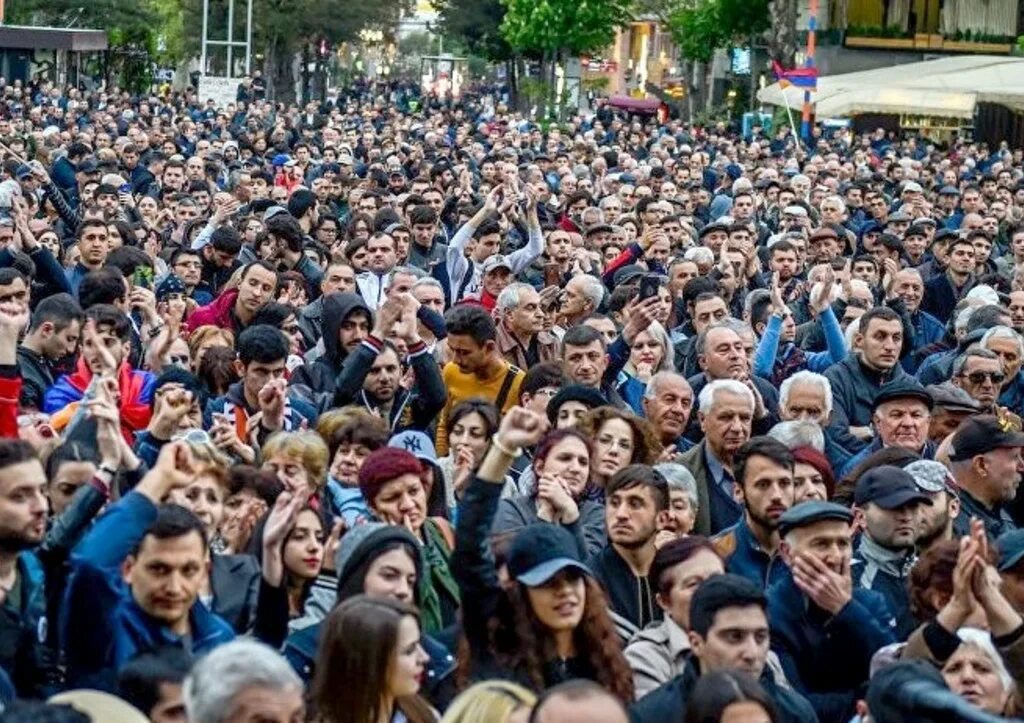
(367, 412)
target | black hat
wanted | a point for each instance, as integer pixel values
(888, 487)
(945, 233)
(981, 434)
(915, 229)
(540, 551)
(591, 398)
(627, 273)
(171, 284)
(902, 389)
(807, 513)
(714, 226)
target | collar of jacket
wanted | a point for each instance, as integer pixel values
(892, 562)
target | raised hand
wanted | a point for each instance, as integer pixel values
(521, 427)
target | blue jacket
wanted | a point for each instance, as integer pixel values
(927, 330)
(102, 625)
(24, 654)
(827, 658)
(1012, 397)
(888, 573)
(768, 353)
(841, 470)
(744, 556)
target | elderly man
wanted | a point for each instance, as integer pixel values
(243, 681)
(908, 285)
(985, 457)
(521, 336)
(581, 298)
(726, 414)
(952, 406)
(901, 418)
(858, 378)
(824, 630)
(979, 372)
(1009, 347)
(667, 403)
(721, 354)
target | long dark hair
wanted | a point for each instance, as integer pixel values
(354, 582)
(519, 641)
(354, 662)
(717, 690)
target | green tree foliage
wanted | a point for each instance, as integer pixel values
(476, 25)
(700, 27)
(560, 26)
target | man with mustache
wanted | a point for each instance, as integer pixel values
(887, 504)
(764, 486)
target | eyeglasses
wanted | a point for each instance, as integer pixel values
(178, 361)
(980, 377)
(193, 436)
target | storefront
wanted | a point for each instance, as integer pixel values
(63, 55)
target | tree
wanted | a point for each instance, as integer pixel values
(476, 24)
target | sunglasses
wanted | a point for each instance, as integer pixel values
(980, 377)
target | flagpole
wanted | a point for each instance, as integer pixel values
(789, 112)
(812, 27)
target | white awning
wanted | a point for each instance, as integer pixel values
(950, 87)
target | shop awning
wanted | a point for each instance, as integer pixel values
(948, 87)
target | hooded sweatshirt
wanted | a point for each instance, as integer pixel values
(318, 378)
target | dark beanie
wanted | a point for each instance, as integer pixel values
(382, 466)
(575, 393)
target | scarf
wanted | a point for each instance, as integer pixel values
(437, 577)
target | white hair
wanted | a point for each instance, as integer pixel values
(660, 335)
(700, 255)
(837, 200)
(510, 297)
(228, 670)
(851, 333)
(799, 433)
(985, 293)
(427, 281)
(725, 386)
(681, 479)
(810, 378)
(592, 288)
(982, 640)
(1003, 332)
(652, 386)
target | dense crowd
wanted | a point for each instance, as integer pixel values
(393, 410)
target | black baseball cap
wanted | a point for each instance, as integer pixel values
(540, 551)
(981, 434)
(888, 487)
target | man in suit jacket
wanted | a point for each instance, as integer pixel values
(235, 584)
(726, 413)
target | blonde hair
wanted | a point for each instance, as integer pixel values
(203, 335)
(306, 446)
(492, 701)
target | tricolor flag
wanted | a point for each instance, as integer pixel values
(806, 78)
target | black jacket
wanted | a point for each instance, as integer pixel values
(36, 378)
(316, 381)
(472, 564)
(414, 408)
(854, 387)
(667, 704)
(630, 598)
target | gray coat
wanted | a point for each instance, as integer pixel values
(589, 531)
(657, 654)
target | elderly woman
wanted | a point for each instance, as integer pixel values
(682, 500)
(299, 459)
(955, 587)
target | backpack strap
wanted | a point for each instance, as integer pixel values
(506, 387)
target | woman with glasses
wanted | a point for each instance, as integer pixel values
(620, 439)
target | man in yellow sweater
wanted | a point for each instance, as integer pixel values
(478, 370)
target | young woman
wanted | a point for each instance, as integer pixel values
(652, 351)
(561, 470)
(370, 664)
(471, 425)
(394, 484)
(380, 561)
(549, 623)
(620, 439)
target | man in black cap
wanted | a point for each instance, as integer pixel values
(1011, 567)
(823, 629)
(900, 417)
(985, 457)
(887, 505)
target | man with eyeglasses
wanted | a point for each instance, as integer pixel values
(187, 265)
(979, 372)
